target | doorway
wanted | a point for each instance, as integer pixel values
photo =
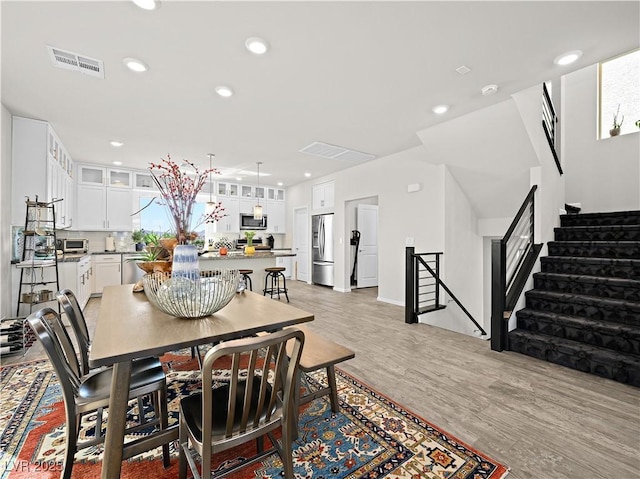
(362, 222)
(301, 237)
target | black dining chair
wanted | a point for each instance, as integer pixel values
(87, 393)
(71, 307)
(256, 401)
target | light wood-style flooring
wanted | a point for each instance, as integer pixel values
(541, 420)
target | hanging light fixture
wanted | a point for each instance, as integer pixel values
(257, 209)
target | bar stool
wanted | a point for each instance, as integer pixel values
(247, 279)
(274, 274)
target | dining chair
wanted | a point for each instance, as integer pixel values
(71, 307)
(87, 393)
(258, 399)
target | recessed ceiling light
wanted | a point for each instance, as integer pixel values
(256, 45)
(135, 65)
(147, 4)
(224, 91)
(489, 90)
(116, 143)
(440, 109)
(567, 58)
(307, 175)
(280, 183)
(238, 178)
(117, 163)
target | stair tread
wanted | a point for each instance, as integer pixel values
(591, 259)
(607, 214)
(579, 320)
(591, 279)
(583, 298)
(597, 242)
(597, 227)
(595, 350)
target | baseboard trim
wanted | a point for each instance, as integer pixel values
(390, 301)
(342, 290)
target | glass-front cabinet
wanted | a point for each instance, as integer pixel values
(92, 175)
(246, 191)
(119, 178)
(275, 194)
(226, 189)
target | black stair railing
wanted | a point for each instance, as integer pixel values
(422, 286)
(549, 122)
(512, 259)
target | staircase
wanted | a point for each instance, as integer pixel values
(584, 310)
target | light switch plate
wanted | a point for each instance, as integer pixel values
(409, 241)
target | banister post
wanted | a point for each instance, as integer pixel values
(409, 281)
(499, 327)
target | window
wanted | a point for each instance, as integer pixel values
(156, 217)
(620, 86)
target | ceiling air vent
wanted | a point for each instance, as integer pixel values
(76, 62)
(333, 152)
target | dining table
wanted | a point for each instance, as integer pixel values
(130, 327)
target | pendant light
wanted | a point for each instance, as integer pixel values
(210, 204)
(257, 209)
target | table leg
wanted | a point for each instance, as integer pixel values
(117, 420)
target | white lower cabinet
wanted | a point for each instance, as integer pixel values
(77, 276)
(107, 271)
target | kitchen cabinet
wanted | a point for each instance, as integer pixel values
(77, 277)
(275, 194)
(40, 166)
(246, 205)
(246, 191)
(231, 222)
(107, 271)
(226, 189)
(104, 208)
(276, 217)
(323, 196)
(143, 181)
(119, 178)
(92, 175)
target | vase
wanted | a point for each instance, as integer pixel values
(223, 251)
(249, 250)
(185, 262)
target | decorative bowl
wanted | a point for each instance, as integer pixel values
(191, 298)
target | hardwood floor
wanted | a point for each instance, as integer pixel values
(541, 420)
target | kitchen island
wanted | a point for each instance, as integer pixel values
(238, 260)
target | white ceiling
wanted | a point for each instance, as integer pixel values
(361, 75)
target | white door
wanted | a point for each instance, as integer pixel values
(301, 243)
(367, 224)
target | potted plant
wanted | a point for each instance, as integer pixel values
(249, 250)
(152, 241)
(149, 261)
(138, 239)
(617, 123)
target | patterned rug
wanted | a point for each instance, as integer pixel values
(371, 437)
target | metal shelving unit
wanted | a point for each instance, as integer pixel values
(39, 278)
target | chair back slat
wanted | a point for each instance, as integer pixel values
(50, 330)
(72, 309)
(261, 390)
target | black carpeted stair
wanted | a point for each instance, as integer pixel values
(584, 310)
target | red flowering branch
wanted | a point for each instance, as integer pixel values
(179, 189)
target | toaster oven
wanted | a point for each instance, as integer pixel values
(70, 245)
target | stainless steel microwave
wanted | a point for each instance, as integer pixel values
(247, 222)
(70, 245)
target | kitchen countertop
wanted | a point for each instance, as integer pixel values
(237, 254)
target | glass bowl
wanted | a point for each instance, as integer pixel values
(191, 298)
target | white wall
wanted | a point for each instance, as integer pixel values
(401, 214)
(602, 175)
(6, 241)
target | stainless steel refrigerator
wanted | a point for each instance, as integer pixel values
(322, 246)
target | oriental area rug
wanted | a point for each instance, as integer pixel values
(371, 436)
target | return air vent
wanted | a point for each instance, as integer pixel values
(76, 62)
(333, 152)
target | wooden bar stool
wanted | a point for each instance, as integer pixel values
(247, 279)
(272, 282)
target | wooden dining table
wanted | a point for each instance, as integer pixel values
(130, 327)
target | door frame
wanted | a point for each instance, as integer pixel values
(350, 206)
(305, 210)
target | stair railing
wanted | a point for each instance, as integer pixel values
(549, 121)
(422, 286)
(512, 259)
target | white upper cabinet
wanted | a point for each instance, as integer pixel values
(143, 181)
(227, 189)
(275, 194)
(119, 178)
(323, 196)
(92, 175)
(41, 167)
